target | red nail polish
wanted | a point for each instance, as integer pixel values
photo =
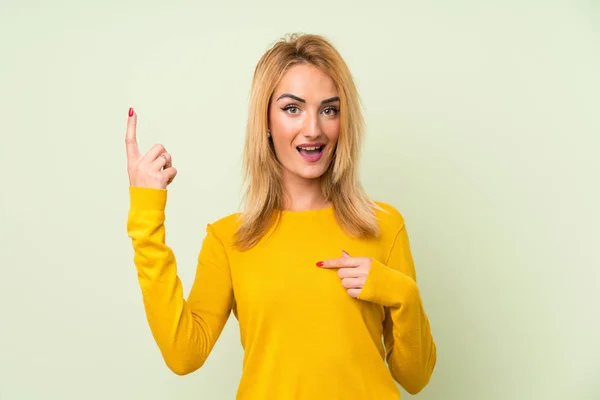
(130, 111)
(320, 264)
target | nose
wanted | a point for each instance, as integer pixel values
(312, 129)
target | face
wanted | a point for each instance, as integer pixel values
(304, 121)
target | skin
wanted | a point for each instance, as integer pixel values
(293, 122)
(353, 271)
(153, 169)
(304, 109)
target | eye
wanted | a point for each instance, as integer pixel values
(291, 109)
(330, 111)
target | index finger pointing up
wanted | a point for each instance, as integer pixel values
(130, 137)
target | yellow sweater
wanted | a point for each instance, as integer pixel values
(303, 336)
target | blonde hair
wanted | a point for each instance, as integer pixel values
(340, 184)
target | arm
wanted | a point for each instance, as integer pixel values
(410, 349)
(185, 331)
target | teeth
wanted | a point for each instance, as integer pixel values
(310, 148)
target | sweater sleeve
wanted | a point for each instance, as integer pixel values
(184, 330)
(410, 348)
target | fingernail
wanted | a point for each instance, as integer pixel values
(320, 264)
(130, 111)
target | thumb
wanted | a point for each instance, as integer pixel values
(345, 254)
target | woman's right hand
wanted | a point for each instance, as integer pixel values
(152, 170)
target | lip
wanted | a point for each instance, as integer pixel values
(313, 158)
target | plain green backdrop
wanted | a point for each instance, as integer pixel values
(483, 129)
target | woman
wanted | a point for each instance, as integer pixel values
(315, 272)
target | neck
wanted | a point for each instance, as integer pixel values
(303, 194)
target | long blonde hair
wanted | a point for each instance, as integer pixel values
(340, 184)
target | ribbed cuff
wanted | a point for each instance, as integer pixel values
(141, 198)
(387, 286)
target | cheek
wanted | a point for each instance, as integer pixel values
(284, 133)
(283, 124)
(332, 129)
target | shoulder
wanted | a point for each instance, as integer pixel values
(225, 227)
(222, 229)
(389, 217)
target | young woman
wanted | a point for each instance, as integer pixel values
(319, 276)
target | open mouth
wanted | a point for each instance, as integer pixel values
(311, 153)
(310, 150)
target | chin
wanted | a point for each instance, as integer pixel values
(311, 173)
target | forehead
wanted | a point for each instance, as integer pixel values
(308, 82)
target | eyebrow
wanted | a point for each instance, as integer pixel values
(301, 100)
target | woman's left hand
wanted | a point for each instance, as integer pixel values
(353, 271)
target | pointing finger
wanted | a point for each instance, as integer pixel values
(339, 262)
(131, 145)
